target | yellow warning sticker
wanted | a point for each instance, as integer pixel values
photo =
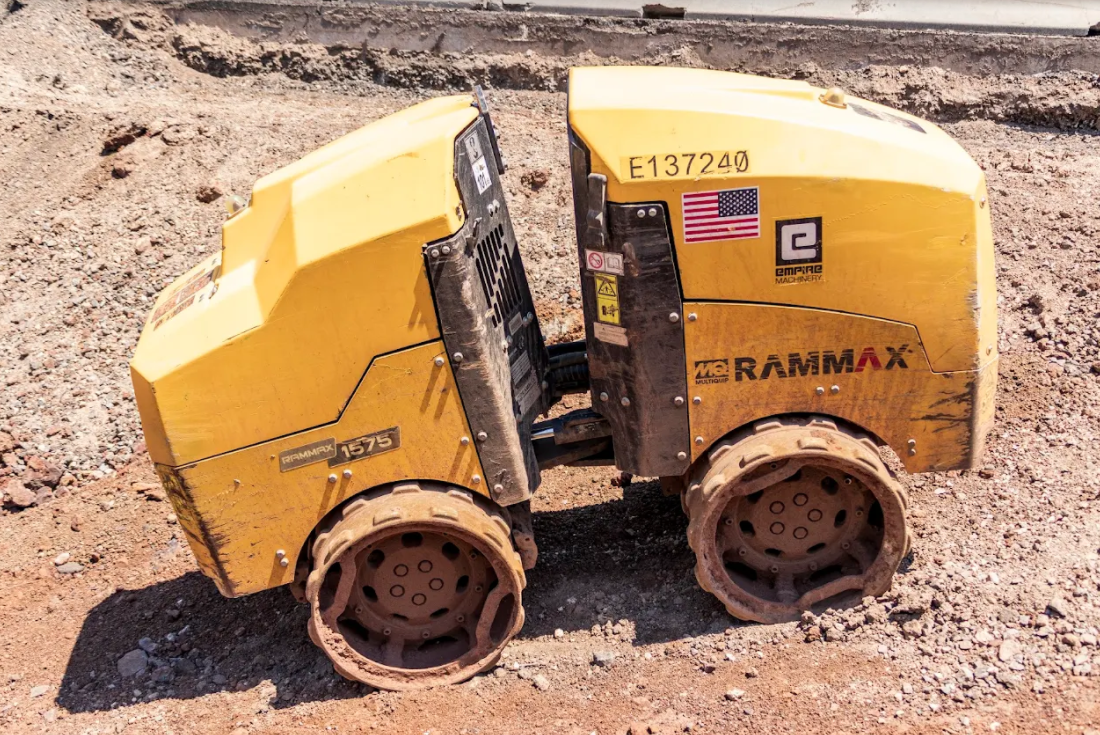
(607, 298)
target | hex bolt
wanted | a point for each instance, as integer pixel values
(434, 253)
(280, 553)
(604, 396)
(625, 401)
(678, 401)
(912, 443)
(464, 441)
(498, 488)
(681, 455)
(641, 213)
(697, 400)
(476, 479)
(674, 317)
(284, 562)
(652, 211)
(332, 478)
(482, 436)
(446, 249)
(834, 389)
(439, 362)
(457, 357)
(692, 316)
(347, 474)
(820, 390)
(699, 440)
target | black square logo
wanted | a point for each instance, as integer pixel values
(798, 241)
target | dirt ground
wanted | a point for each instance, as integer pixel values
(120, 136)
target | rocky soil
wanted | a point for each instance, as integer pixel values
(121, 135)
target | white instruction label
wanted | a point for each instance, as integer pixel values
(481, 176)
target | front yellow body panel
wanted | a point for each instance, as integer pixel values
(749, 361)
(239, 509)
(319, 275)
(905, 223)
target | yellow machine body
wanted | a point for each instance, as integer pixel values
(885, 316)
(311, 335)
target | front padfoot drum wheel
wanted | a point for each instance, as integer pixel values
(416, 587)
(794, 515)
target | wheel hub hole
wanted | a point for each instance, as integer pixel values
(830, 486)
(747, 529)
(773, 552)
(410, 540)
(375, 559)
(370, 594)
(841, 518)
(463, 583)
(450, 551)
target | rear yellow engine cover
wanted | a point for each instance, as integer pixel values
(780, 193)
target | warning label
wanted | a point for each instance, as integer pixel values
(602, 262)
(607, 298)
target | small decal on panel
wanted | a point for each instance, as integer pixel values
(708, 372)
(799, 251)
(473, 147)
(601, 262)
(319, 451)
(607, 298)
(611, 334)
(366, 446)
(728, 214)
(481, 176)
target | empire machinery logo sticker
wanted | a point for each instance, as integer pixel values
(802, 364)
(799, 251)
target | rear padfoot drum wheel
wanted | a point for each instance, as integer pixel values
(794, 515)
(419, 586)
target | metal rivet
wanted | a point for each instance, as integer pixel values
(625, 401)
(347, 474)
(435, 253)
(674, 317)
(641, 213)
(681, 455)
(439, 362)
(482, 436)
(457, 357)
(284, 562)
(498, 488)
(603, 396)
(280, 553)
(464, 441)
(834, 389)
(692, 316)
(698, 440)
(446, 249)
(332, 478)
(476, 479)
(678, 401)
(820, 390)
(697, 400)
(652, 211)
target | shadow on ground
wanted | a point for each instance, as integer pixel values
(621, 560)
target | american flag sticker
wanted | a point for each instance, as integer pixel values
(729, 214)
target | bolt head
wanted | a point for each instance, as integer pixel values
(641, 213)
(498, 488)
(284, 562)
(482, 436)
(439, 362)
(280, 553)
(446, 249)
(625, 401)
(604, 396)
(820, 390)
(347, 473)
(697, 400)
(464, 441)
(692, 316)
(834, 389)
(476, 479)
(674, 317)
(457, 357)
(699, 440)
(434, 253)
(332, 478)
(678, 401)
(652, 211)
(681, 455)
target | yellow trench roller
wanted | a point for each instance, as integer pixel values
(778, 281)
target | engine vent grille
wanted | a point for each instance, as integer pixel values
(497, 271)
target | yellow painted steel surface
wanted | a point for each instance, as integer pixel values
(239, 509)
(319, 275)
(904, 222)
(747, 361)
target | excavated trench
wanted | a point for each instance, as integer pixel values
(945, 76)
